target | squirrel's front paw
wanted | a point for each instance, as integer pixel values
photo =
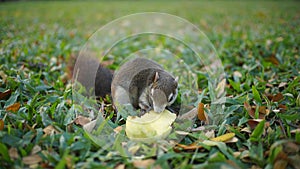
(144, 109)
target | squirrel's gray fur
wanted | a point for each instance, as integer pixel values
(144, 84)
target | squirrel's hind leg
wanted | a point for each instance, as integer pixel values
(121, 96)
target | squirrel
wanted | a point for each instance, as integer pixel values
(145, 85)
(140, 82)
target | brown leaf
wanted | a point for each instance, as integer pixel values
(254, 122)
(280, 164)
(277, 97)
(282, 107)
(254, 166)
(13, 153)
(273, 59)
(120, 166)
(294, 160)
(1, 124)
(201, 113)
(262, 109)
(192, 146)
(81, 120)
(14, 107)
(46, 165)
(291, 148)
(249, 109)
(118, 129)
(49, 130)
(3, 76)
(236, 154)
(5, 94)
(148, 163)
(32, 159)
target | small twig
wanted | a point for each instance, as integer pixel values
(281, 127)
(293, 125)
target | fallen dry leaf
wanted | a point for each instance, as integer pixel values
(249, 108)
(200, 128)
(236, 154)
(90, 126)
(32, 159)
(201, 112)
(291, 148)
(14, 107)
(221, 88)
(262, 109)
(118, 129)
(246, 129)
(13, 153)
(253, 123)
(5, 94)
(3, 76)
(273, 59)
(36, 149)
(192, 146)
(223, 137)
(1, 124)
(295, 131)
(232, 140)
(183, 133)
(282, 107)
(251, 111)
(237, 74)
(81, 120)
(189, 115)
(148, 163)
(277, 97)
(49, 130)
(210, 134)
(282, 84)
(226, 137)
(245, 156)
(120, 166)
(280, 164)
(134, 149)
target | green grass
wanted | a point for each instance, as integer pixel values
(259, 40)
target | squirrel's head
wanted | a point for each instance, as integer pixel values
(164, 90)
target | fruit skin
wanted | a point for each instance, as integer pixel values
(149, 127)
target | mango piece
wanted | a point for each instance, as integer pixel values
(149, 127)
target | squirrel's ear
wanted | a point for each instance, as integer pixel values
(176, 79)
(156, 77)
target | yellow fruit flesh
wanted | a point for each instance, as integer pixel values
(149, 127)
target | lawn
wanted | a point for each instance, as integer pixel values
(257, 42)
